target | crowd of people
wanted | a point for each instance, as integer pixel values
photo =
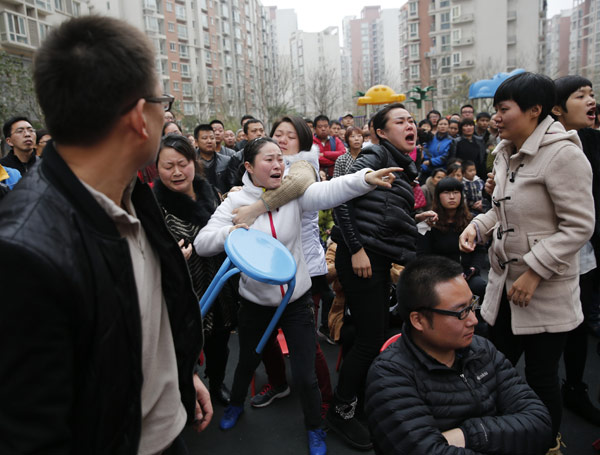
(474, 236)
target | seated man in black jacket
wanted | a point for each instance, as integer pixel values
(440, 389)
(99, 324)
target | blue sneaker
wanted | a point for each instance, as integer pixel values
(316, 442)
(231, 416)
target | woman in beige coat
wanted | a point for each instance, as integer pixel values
(542, 214)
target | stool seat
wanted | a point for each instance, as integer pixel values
(260, 256)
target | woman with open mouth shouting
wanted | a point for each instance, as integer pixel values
(264, 163)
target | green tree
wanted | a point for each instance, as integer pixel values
(17, 96)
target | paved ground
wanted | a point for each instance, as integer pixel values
(278, 429)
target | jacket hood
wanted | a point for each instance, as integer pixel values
(547, 132)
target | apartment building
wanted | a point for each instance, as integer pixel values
(25, 23)
(316, 68)
(450, 43)
(584, 45)
(558, 34)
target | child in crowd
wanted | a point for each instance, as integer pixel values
(472, 187)
(455, 170)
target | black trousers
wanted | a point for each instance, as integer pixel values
(321, 287)
(542, 355)
(368, 301)
(298, 325)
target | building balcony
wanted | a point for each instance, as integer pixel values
(511, 16)
(463, 42)
(511, 40)
(464, 18)
(464, 64)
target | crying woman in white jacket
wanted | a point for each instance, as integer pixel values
(264, 171)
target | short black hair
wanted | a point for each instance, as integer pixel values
(466, 105)
(10, 122)
(416, 286)
(309, 121)
(253, 148)
(94, 69)
(170, 123)
(202, 127)
(216, 121)
(250, 122)
(39, 134)
(380, 118)
(245, 117)
(464, 122)
(305, 137)
(335, 122)
(484, 115)
(528, 90)
(321, 117)
(423, 122)
(466, 164)
(433, 111)
(566, 85)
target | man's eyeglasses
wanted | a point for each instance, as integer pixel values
(462, 314)
(21, 131)
(165, 100)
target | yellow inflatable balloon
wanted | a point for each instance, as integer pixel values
(381, 94)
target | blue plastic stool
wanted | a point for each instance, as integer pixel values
(262, 258)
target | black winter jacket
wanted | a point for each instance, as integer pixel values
(70, 326)
(477, 143)
(412, 398)
(381, 220)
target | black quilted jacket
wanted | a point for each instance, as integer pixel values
(70, 329)
(381, 220)
(412, 398)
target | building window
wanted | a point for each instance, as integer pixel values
(455, 12)
(208, 56)
(169, 7)
(456, 35)
(413, 30)
(180, 12)
(415, 71)
(204, 21)
(182, 31)
(413, 8)
(173, 47)
(58, 5)
(16, 28)
(445, 43)
(186, 89)
(414, 51)
(188, 109)
(151, 24)
(175, 86)
(76, 9)
(44, 30)
(456, 58)
(444, 21)
(183, 51)
(209, 75)
(171, 27)
(185, 70)
(150, 4)
(174, 67)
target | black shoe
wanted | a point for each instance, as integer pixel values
(340, 418)
(221, 394)
(577, 400)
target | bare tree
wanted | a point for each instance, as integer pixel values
(276, 94)
(17, 96)
(323, 90)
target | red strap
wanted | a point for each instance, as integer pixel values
(274, 234)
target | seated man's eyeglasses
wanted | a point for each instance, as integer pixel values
(462, 314)
(20, 131)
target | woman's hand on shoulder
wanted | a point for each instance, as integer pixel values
(383, 177)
